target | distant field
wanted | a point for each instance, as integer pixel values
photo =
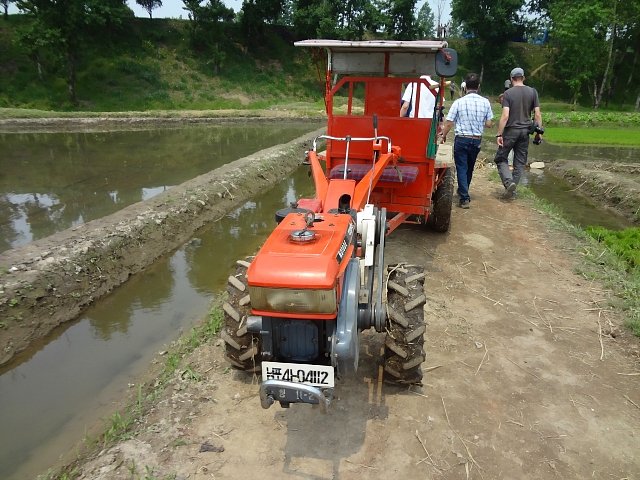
(593, 135)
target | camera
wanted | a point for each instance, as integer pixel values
(538, 131)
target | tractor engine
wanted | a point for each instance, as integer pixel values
(305, 274)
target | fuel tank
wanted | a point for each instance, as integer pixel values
(304, 257)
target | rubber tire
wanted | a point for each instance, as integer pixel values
(398, 369)
(242, 348)
(440, 218)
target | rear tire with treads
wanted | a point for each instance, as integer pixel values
(242, 347)
(404, 343)
(440, 218)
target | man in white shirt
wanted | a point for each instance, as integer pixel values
(427, 99)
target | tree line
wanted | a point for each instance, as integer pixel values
(593, 44)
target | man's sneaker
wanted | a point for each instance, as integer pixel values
(511, 188)
(465, 203)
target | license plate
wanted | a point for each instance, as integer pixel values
(315, 375)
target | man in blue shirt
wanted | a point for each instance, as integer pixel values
(470, 114)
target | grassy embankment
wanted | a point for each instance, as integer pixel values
(612, 258)
(153, 65)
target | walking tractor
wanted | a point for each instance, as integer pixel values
(295, 312)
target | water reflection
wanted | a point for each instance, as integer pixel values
(62, 387)
(578, 209)
(52, 181)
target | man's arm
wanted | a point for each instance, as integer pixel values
(488, 119)
(448, 125)
(537, 116)
(404, 108)
(501, 124)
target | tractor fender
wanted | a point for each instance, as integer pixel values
(344, 346)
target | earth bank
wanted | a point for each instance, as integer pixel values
(52, 280)
(614, 185)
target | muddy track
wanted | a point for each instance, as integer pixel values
(52, 280)
(529, 375)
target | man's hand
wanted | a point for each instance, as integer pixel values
(443, 138)
(500, 141)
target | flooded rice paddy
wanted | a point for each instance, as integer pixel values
(53, 181)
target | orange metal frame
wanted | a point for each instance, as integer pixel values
(409, 138)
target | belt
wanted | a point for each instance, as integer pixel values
(477, 137)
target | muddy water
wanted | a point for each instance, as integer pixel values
(52, 181)
(59, 389)
(578, 209)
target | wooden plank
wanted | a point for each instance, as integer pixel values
(444, 157)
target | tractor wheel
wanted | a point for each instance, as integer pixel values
(242, 347)
(404, 344)
(440, 217)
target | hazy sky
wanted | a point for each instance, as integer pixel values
(173, 8)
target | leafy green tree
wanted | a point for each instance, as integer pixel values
(490, 24)
(205, 20)
(426, 22)
(316, 18)
(592, 38)
(149, 5)
(66, 27)
(399, 19)
(255, 14)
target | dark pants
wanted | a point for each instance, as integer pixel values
(516, 139)
(465, 153)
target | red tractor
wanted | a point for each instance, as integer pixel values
(295, 312)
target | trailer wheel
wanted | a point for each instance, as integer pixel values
(242, 347)
(404, 343)
(440, 217)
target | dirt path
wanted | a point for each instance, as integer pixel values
(521, 384)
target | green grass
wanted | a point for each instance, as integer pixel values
(593, 135)
(624, 244)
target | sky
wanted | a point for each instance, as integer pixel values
(173, 8)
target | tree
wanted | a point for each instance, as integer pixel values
(399, 19)
(578, 35)
(592, 38)
(65, 27)
(255, 14)
(316, 18)
(426, 22)
(149, 5)
(490, 24)
(5, 4)
(206, 30)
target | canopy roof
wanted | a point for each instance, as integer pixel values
(379, 57)
(413, 46)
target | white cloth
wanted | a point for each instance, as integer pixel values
(427, 98)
